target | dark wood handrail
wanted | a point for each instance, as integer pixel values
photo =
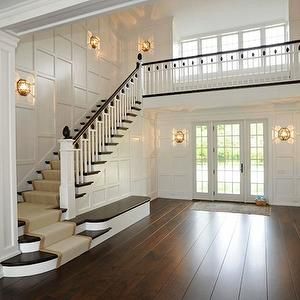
(106, 104)
(221, 53)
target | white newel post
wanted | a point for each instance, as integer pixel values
(67, 181)
(8, 183)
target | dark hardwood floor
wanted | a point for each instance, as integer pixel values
(179, 253)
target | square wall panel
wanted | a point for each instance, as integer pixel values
(63, 47)
(80, 97)
(93, 60)
(77, 114)
(44, 63)
(79, 66)
(112, 173)
(65, 31)
(45, 103)
(98, 197)
(45, 144)
(112, 193)
(25, 130)
(284, 166)
(22, 171)
(64, 117)
(44, 40)
(79, 34)
(92, 99)
(93, 82)
(63, 81)
(24, 52)
(285, 188)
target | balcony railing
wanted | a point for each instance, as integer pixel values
(249, 67)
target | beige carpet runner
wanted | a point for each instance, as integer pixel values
(40, 211)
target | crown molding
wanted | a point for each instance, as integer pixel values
(8, 39)
(34, 15)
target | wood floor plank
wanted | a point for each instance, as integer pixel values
(279, 278)
(178, 282)
(254, 278)
(292, 244)
(203, 283)
(228, 283)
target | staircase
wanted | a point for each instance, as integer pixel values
(46, 239)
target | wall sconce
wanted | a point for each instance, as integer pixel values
(284, 134)
(145, 46)
(179, 137)
(23, 87)
(94, 42)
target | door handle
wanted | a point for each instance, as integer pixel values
(242, 168)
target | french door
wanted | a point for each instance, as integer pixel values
(230, 160)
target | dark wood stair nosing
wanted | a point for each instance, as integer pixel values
(26, 259)
(131, 114)
(117, 135)
(105, 153)
(136, 108)
(122, 128)
(79, 185)
(111, 144)
(99, 162)
(21, 223)
(77, 196)
(127, 121)
(94, 233)
(26, 239)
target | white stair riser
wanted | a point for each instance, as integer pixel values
(21, 230)
(29, 270)
(29, 247)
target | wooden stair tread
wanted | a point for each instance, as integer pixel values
(94, 233)
(83, 184)
(25, 239)
(77, 196)
(105, 152)
(110, 211)
(100, 162)
(21, 223)
(31, 258)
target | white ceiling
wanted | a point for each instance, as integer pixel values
(9, 3)
(194, 17)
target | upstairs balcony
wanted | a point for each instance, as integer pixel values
(263, 66)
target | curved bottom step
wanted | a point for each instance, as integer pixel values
(28, 264)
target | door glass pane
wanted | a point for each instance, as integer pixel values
(228, 159)
(257, 158)
(202, 159)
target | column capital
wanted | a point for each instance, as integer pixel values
(9, 39)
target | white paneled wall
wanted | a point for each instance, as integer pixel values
(175, 161)
(68, 79)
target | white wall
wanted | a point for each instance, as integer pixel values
(175, 161)
(68, 78)
(159, 33)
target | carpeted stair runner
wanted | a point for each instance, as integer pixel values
(42, 217)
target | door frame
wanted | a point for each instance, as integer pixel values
(245, 158)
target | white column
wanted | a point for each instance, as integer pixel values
(67, 178)
(8, 186)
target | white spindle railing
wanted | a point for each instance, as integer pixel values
(271, 64)
(95, 137)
